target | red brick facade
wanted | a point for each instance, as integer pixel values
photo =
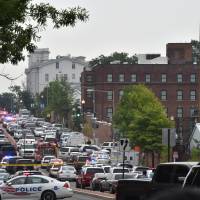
(178, 83)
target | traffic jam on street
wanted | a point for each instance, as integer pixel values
(41, 160)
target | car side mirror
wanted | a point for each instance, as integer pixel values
(8, 183)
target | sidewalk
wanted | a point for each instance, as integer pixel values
(100, 195)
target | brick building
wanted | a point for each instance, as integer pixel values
(176, 84)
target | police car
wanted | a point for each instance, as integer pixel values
(35, 187)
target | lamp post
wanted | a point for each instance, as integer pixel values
(168, 140)
(83, 114)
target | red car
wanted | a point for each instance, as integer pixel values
(87, 174)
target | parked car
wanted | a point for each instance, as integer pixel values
(67, 172)
(46, 160)
(95, 183)
(111, 184)
(166, 176)
(87, 174)
(53, 172)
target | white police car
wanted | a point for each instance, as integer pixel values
(35, 187)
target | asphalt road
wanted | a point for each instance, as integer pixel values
(82, 197)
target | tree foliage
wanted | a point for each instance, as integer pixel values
(7, 101)
(140, 117)
(121, 57)
(21, 21)
(60, 98)
(23, 96)
(195, 51)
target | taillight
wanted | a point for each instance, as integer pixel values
(66, 185)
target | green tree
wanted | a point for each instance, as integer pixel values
(60, 100)
(195, 51)
(121, 57)
(21, 21)
(7, 101)
(140, 117)
(23, 96)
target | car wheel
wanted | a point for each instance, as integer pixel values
(93, 187)
(82, 186)
(77, 185)
(111, 190)
(48, 195)
(101, 189)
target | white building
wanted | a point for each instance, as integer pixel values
(151, 59)
(42, 70)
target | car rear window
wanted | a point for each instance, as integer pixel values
(94, 170)
(120, 170)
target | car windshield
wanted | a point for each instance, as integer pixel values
(106, 144)
(28, 146)
(24, 161)
(74, 150)
(120, 170)
(4, 176)
(64, 149)
(107, 169)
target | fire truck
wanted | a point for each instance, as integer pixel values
(45, 149)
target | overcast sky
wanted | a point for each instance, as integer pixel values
(132, 26)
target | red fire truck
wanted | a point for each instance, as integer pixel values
(45, 149)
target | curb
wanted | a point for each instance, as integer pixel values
(94, 194)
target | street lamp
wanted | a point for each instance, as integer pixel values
(83, 110)
(168, 140)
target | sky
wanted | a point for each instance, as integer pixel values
(132, 26)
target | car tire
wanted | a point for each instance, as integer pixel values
(93, 187)
(111, 190)
(101, 189)
(48, 195)
(77, 185)
(82, 186)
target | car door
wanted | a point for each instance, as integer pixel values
(35, 185)
(14, 189)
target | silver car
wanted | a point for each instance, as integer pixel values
(67, 173)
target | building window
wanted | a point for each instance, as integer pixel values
(65, 77)
(73, 66)
(109, 77)
(193, 78)
(193, 112)
(166, 111)
(109, 112)
(109, 95)
(147, 78)
(163, 78)
(57, 65)
(179, 78)
(193, 95)
(133, 78)
(179, 95)
(163, 95)
(180, 112)
(89, 78)
(46, 77)
(57, 77)
(73, 76)
(121, 92)
(121, 77)
(89, 94)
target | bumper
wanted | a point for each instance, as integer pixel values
(65, 194)
(66, 177)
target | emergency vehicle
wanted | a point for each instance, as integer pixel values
(45, 149)
(35, 187)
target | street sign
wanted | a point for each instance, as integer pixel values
(172, 136)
